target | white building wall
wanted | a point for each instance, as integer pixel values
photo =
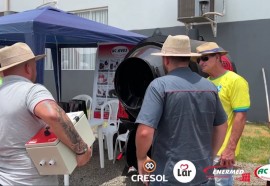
(142, 14)
(243, 10)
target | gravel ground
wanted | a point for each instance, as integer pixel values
(249, 168)
(115, 174)
(92, 175)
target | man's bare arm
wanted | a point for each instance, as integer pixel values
(144, 139)
(239, 122)
(60, 124)
(228, 154)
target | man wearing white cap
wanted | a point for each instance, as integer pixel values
(233, 91)
(181, 117)
(25, 107)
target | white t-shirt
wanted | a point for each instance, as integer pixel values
(18, 124)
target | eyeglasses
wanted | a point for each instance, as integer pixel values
(204, 58)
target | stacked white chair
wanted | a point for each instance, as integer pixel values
(88, 102)
(112, 124)
(120, 138)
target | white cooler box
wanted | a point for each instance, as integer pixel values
(50, 155)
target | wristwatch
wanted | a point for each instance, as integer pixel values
(83, 152)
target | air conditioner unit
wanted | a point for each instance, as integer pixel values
(7, 13)
(192, 11)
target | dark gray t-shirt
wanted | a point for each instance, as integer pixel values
(183, 107)
(18, 124)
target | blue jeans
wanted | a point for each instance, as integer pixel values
(228, 181)
(228, 178)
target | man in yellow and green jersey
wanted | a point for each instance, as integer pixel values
(233, 91)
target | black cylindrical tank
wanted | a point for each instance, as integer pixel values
(135, 73)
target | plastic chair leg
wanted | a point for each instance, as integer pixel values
(66, 180)
(100, 145)
(109, 139)
(105, 143)
(115, 151)
(120, 148)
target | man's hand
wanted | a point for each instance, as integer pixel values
(227, 158)
(84, 158)
(141, 169)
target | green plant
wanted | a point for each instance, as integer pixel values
(255, 144)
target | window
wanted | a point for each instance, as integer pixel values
(79, 58)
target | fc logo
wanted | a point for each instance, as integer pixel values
(149, 166)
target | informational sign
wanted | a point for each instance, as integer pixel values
(109, 56)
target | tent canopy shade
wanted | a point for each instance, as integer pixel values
(49, 27)
(62, 28)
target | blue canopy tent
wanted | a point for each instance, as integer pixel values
(49, 27)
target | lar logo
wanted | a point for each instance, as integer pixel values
(149, 166)
(263, 172)
(184, 171)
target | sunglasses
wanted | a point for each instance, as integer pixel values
(204, 58)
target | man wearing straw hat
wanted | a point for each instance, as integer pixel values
(25, 107)
(233, 91)
(181, 117)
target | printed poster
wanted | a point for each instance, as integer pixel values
(109, 56)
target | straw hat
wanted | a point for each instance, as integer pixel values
(176, 46)
(16, 54)
(210, 48)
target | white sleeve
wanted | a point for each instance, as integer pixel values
(36, 94)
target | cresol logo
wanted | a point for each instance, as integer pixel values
(263, 172)
(119, 51)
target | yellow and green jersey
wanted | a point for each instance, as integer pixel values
(1, 81)
(233, 92)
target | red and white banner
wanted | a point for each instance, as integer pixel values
(109, 56)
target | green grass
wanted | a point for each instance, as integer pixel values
(255, 144)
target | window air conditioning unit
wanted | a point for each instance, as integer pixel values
(7, 13)
(193, 11)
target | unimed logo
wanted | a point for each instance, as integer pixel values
(184, 171)
(149, 166)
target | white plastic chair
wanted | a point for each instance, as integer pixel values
(88, 102)
(112, 124)
(95, 123)
(120, 138)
